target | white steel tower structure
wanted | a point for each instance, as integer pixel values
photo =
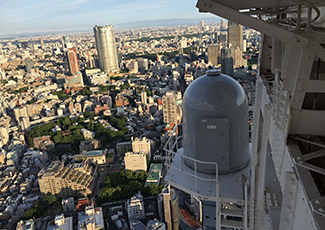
(106, 48)
(213, 161)
(287, 171)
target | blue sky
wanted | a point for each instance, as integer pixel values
(18, 17)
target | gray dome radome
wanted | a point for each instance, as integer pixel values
(215, 123)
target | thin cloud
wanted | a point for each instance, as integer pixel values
(19, 16)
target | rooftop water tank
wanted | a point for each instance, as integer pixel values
(215, 123)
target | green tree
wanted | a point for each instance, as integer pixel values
(125, 86)
(57, 138)
(65, 121)
(49, 198)
(89, 115)
(142, 175)
(28, 214)
(129, 174)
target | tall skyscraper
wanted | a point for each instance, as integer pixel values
(4, 136)
(171, 108)
(244, 45)
(227, 61)
(235, 35)
(223, 25)
(238, 58)
(143, 64)
(202, 24)
(144, 98)
(106, 48)
(29, 65)
(66, 39)
(24, 45)
(73, 61)
(214, 53)
(42, 43)
(171, 208)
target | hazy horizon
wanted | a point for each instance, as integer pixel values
(37, 17)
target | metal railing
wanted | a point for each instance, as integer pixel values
(194, 173)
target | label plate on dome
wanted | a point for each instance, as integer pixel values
(212, 141)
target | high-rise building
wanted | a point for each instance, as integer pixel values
(65, 41)
(66, 181)
(183, 42)
(144, 97)
(4, 135)
(143, 64)
(227, 61)
(214, 54)
(24, 45)
(223, 26)
(172, 107)
(29, 65)
(202, 24)
(235, 35)
(73, 61)
(20, 112)
(223, 37)
(135, 161)
(171, 208)
(24, 123)
(244, 45)
(106, 48)
(142, 145)
(135, 207)
(238, 58)
(42, 43)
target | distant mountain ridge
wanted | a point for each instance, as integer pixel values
(125, 25)
(165, 22)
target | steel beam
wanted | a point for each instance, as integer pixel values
(261, 26)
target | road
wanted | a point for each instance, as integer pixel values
(102, 174)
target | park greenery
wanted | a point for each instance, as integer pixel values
(17, 91)
(61, 95)
(152, 56)
(39, 208)
(74, 136)
(124, 184)
(147, 39)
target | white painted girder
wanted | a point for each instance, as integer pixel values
(261, 26)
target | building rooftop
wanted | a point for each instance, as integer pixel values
(155, 224)
(95, 153)
(61, 223)
(137, 225)
(154, 174)
(91, 216)
(25, 225)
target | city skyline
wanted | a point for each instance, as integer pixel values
(36, 17)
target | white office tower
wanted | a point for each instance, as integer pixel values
(215, 156)
(135, 207)
(287, 168)
(143, 97)
(106, 48)
(171, 208)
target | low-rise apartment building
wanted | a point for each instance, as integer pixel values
(66, 181)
